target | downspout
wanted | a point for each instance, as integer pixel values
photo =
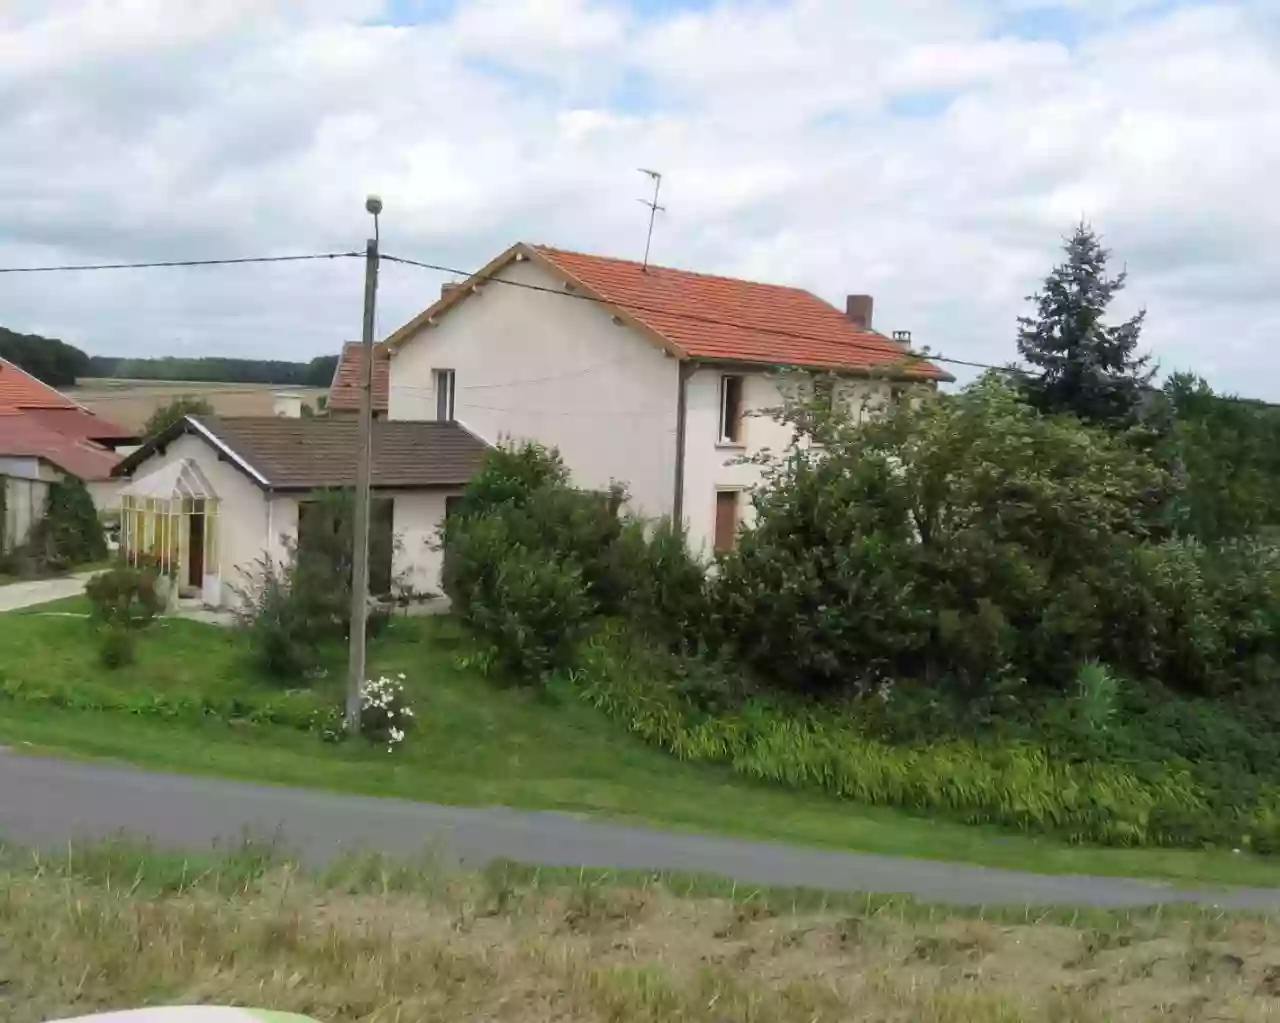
(682, 393)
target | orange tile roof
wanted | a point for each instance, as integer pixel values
(344, 392)
(21, 435)
(38, 421)
(19, 390)
(709, 317)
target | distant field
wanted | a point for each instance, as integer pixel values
(131, 402)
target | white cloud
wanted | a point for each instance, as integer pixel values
(920, 150)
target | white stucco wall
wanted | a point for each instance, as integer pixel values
(709, 465)
(557, 370)
(242, 512)
(418, 517)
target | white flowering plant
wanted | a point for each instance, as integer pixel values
(385, 714)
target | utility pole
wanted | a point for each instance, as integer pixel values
(360, 530)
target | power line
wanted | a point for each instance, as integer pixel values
(174, 262)
(773, 332)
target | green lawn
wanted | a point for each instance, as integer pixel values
(477, 744)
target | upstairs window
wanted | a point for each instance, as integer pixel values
(730, 410)
(444, 381)
(824, 392)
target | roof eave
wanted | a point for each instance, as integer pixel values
(887, 371)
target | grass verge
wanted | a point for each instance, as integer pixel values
(478, 745)
(110, 927)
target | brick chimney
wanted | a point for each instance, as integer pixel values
(858, 309)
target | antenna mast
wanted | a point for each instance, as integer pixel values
(654, 209)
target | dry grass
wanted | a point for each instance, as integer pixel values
(130, 403)
(110, 929)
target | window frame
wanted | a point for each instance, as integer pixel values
(729, 433)
(446, 390)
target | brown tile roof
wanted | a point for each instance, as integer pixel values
(701, 316)
(302, 454)
(344, 392)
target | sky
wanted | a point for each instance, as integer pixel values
(932, 153)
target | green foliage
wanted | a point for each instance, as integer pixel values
(70, 533)
(1078, 363)
(124, 597)
(117, 646)
(530, 562)
(1022, 785)
(1225, 453)
(293, 610)
(182, 406)
(55, 362)
(967, 541)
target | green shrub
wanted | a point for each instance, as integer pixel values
(967, 542)
(1016, 783)
(528, 606)
(530, 562)
(117, 645)
(282, 638)
(295, 611)
(70, 532)
(124, 597)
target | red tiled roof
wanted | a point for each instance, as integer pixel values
(23, 436)
(38, 421)
(79, 423)
(709, 317)
(344, 392)
(19, 390)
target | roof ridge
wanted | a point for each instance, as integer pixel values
(550, 250)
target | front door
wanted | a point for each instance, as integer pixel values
(195, 552)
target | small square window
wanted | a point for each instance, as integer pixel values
(445, 387)
(730, 410)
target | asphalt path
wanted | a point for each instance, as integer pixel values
(45, 801)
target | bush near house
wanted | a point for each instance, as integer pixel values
(293, 611)
(69, 535)
(530, 563)
(967, 608)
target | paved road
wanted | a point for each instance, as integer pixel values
(47, 801)
(41, 591)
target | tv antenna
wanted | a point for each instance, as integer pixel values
(654, 208)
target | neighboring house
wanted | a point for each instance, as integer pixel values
(344, 392)
(45, 436)
(209, 497)
(649, 376)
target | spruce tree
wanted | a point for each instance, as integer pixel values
(1077, 363)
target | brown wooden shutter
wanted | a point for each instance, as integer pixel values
(726, 519)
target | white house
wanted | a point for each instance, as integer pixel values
(209, 497)
(644, 375)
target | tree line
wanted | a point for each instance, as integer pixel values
(59, 364)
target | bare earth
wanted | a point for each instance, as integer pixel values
(130, 403)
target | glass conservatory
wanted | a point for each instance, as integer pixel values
(169, 519)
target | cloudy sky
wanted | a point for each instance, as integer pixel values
(930, 152)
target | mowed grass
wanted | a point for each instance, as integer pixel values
(371, 942)
(478, 744)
